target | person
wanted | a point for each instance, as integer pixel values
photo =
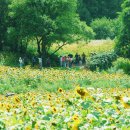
(20, 62)
(67, 61)
(80, 61)
(40, 63)
(76, 59)
(25, 60)
(33, 61)
(48, 62)
(64, 61)
(61, 64)
(70, 55)
(83, 58)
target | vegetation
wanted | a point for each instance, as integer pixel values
(123, 43)
(93, 9)
(22, 80)
(102, 61)
(3, 22)
(66, 98)
(122, 63)
(47, 22)
(106, 28)
(95, 46)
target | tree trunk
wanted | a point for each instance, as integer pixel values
(44, 51)
(38, 46)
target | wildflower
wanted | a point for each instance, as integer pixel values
(54, 110)
(75, 125)
(126, 102)
(17, 99)
(75, 117)
(60, 90)
(82, 92)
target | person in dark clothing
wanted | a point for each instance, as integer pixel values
(83, 58)
(25, 60)
(70, 55)
(48, 62)
(76, 59)
(33, 61)
(79, 60)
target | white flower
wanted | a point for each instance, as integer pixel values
(90, 116)
(67, 119)
(126, 99)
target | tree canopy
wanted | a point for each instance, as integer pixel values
(48, 21)
(91, 9)
(123, 42)
(3, 22)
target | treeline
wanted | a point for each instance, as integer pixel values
(92, 9)
(43, 21)
(61, 21)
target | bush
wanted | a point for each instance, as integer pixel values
(102, 61)
(9, 59)
(122, 63)
(105, 28)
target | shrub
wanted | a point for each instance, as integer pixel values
(105, 28)
(101, 61)
(9, 59)
(122, 63)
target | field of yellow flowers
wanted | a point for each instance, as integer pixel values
(56, 99)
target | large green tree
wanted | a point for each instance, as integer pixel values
(48, 22)
(123, 43)
(3, 22)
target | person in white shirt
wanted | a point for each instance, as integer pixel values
(40, 63)
(20, 62)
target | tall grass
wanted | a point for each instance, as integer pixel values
(96, 46)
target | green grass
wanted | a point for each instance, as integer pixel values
(96, 46)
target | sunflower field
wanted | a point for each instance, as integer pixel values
(58, 99)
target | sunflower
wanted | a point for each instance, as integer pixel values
(54, 110)
(75, 117)
(82, 92)
(60, 90)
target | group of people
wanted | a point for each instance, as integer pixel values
(69, 61)
(34, 61)
(64, 61)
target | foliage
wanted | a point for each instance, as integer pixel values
(3, 22)
(122, 63)
(102, 105)
(106, 28)
(93, 9)
(102, 61)
(23, 80)
(48, 22)
(122, 47)
(8, 59)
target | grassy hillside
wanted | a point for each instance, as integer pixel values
(95, 46)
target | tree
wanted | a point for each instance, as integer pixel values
(92, 9)
(123, 43)
(106, 28)
(48, 22)
(3, 22)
